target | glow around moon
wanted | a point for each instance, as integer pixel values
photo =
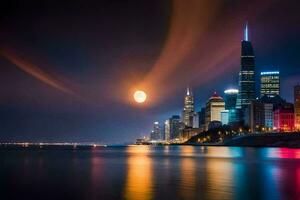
(140, 96)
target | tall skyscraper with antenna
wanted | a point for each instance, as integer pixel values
(188, 109)
(247, 73)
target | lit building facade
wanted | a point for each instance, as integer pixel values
(167, 130)
(225, 116)
(247, 73)
(284, 118)
(270, 83)
(188, 109)
(172, 128)
(261, 116)
(214, 106)
(297, 106)
(230, 97)
(234, 116)
(156, 133)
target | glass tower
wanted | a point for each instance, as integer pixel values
(230, 97)
(188, 109)
(155, 133)
(247, 74)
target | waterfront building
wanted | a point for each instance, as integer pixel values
(297, 106)
(277, 101)
(284, 118)
(233, 116)
(156, 132)
(269, 83)
(261, 116)
(196, 120)
(167, 129)
(188, 109)
(225, 117)
(230, 97)
(173, 128)
(142, 141)
(201, 116)
(214, 106)
(247, 73)
(187, 133)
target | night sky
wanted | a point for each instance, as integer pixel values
(68, 68)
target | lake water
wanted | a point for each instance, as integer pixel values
(149, 172)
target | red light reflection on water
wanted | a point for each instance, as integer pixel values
(284, 153)
(298, 182)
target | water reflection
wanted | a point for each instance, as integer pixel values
(147, 172)
(96, 174)
(139, 176)
(298, 182)
(187, 151)
(282, 153)
(219, 179)
(271, 180)
(188, 174)
(224, 152)
(287, 180)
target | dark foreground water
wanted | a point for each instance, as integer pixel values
(145, 172)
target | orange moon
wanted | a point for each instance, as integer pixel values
(140, 96)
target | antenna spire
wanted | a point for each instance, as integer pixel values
(188, 91)
(246, 34)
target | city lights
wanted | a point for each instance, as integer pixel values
(240, 109)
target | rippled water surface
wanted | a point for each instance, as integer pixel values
(147, 172)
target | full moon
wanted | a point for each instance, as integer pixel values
(140, 96)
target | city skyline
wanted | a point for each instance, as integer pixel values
(242, 108)
(66, 81)
(142, 100)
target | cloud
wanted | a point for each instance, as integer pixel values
(202, 44)
(36, 72)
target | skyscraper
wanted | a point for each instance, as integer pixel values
(261, 116)
(230, 97)
(188, 109)
(246, 75)
(269, 83)
(172, 128)
(156, 133)
(214, 106)
(167, 130)
(196, 120)
(201, 116)
(297, 106)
